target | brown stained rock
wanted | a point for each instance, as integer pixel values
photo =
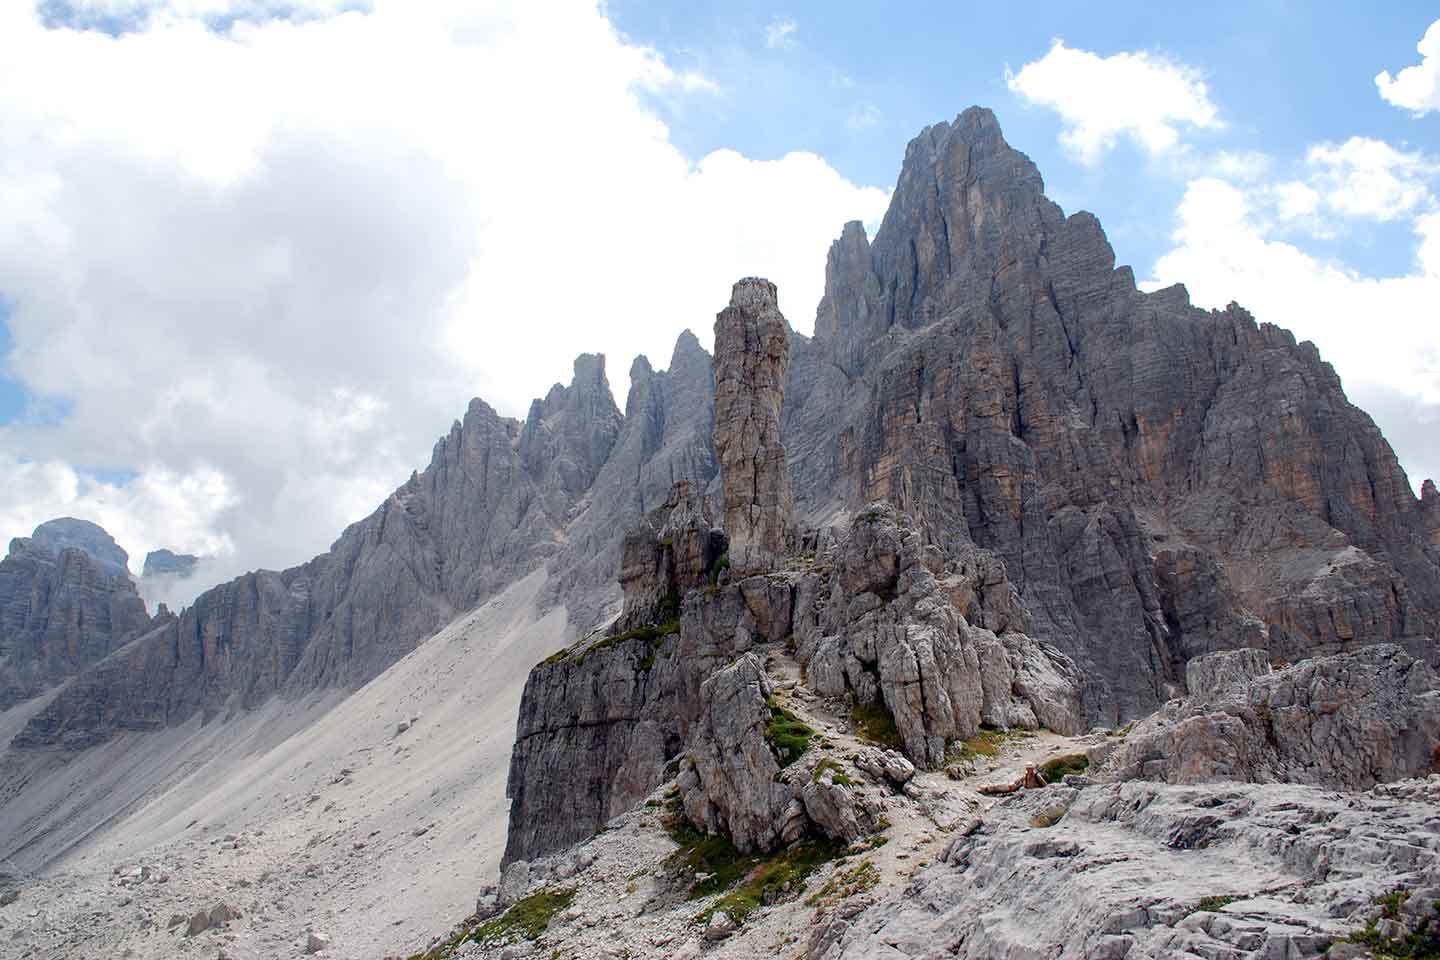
(752, 354)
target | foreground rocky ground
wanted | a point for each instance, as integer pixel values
(1079, 868)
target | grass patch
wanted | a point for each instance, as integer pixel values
(1057, 767)
(722, 564)
(774, 879)
(526, 919)
(837, 772)
(986, 743)
(1423, 943)
(875, 723)
(788, 736)
(1214, 904)
(845, 884)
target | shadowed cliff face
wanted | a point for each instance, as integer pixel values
(1159, 481)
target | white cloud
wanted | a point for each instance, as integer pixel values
(780, 33)
(1240, 164)
(1368, 178)
(1295, 200)
(1416, 88)
(1142, 96)
(1379, 332)
(264, 268)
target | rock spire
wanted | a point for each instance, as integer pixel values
(752, 355)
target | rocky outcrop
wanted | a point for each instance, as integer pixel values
(883, 630)
(675, 549)
(752, 354)
(66, 603)
(167, 563)
(1349, 721)
(1147, 870)
(730, 783)
(664, 438)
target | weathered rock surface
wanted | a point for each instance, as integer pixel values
(66, 603)
(883, 630)
(167, 563)
(1160, 481)
(676, 548)
(1348, 721)
(752, 354)
(1146, 870)
(730, 783)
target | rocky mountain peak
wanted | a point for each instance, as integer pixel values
(64, 533)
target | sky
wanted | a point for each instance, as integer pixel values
(256, 255)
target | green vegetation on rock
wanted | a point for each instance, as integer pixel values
(787, 734)
(779, 877)
(1057, 767)
(1422, 942)
(875, 723)
(526, 919)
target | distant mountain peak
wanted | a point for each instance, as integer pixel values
(64, 533)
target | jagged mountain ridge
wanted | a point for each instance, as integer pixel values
(488, 508)
(1160, 480)
(983, 365)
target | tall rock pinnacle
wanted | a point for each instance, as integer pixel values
(752, 355)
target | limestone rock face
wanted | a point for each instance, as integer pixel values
(664, 438)
(1149, 870)
(730, 784)
(885, 631)
(66, 603)
(1160, 481)
(752, 354)
(674, 549)
(1348, 722)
